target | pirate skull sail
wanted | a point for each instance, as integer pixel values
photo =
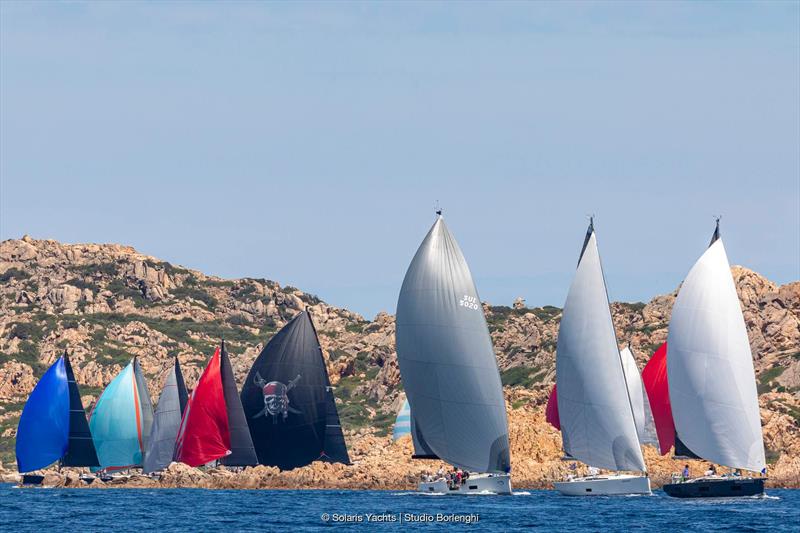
(288, 401)
(53, 423)
(447, 363)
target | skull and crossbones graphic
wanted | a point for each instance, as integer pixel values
(276, 397)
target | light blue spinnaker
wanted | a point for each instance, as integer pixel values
(402, 426)
(116, 423)
(43, 430)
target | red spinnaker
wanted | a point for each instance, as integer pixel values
(551, 412)
(655, 381)
(204, 435)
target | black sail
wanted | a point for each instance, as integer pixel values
(183, 394)
(289, 403)
(80, 450)
(242, 452)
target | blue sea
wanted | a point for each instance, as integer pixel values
(139, 510)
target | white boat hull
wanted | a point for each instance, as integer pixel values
(615, 485)
(476, 484)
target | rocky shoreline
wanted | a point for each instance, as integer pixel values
(378, 463)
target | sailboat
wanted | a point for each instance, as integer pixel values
(213, 427)
(288, 401)
(643, 417)
(594, 406)
(449, 370)
(166, 421)
(402, 424)
(53, 425)
(122, 420)
(712, 385)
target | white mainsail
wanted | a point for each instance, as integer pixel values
(447, 362)
(712, 386)
(597, 424)
(645, 426)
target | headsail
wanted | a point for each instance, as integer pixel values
(116, 422)
(145, 404)
(642, 415)
(402, 424)
(447, 362)
(597, 424)
(712, 384)
(204, 435)
(81, 450)
(43, 430)
(289, 403)
(166, 422)
(551, 411)
(242, 452)
(654, 377)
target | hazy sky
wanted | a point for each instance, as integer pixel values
(309, 142)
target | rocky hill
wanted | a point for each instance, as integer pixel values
(107, 303)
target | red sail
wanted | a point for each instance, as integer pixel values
(551, 412)
(204, 435)
(654, 377)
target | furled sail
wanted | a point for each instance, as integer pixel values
(43, 429)
(81, 450)
(712, 386)
(242, 451)
(145, 403)
(642, 416)
(204, 435)
(551, 411)
(597, 424)
(116, 422)
(447, 362)
(288, 401)
(166, 421)
(402, 424)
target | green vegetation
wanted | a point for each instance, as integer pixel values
(120, 289)
(81, 283)
(220, 283)
(13, 273)
(765, 379)
(105, 269)
(523, 376)
(196, 293)
(355, 328)
(771, 456)
(635, 307)
(546, 313)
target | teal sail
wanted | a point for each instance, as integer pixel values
(402, 425)
(43, 430)
(117, 422)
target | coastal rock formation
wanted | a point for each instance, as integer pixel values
(106, 303)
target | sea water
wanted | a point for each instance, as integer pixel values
(140, 510)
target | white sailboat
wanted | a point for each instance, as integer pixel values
(594, 406)
(712, 385)
(449, 370)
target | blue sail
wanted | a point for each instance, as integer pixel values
(43, 430)
(116, 423)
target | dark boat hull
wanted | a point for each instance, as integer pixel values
(716, 488)
(32, 479)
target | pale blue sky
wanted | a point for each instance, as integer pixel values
(308, 142)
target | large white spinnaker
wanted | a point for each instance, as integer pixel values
(642, 415)
(447, 362)
(712, 386)
(597, 424)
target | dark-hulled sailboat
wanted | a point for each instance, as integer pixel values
(449, 369)
(166, 421)
(712, 385)
(288, 401)
(53, 425)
